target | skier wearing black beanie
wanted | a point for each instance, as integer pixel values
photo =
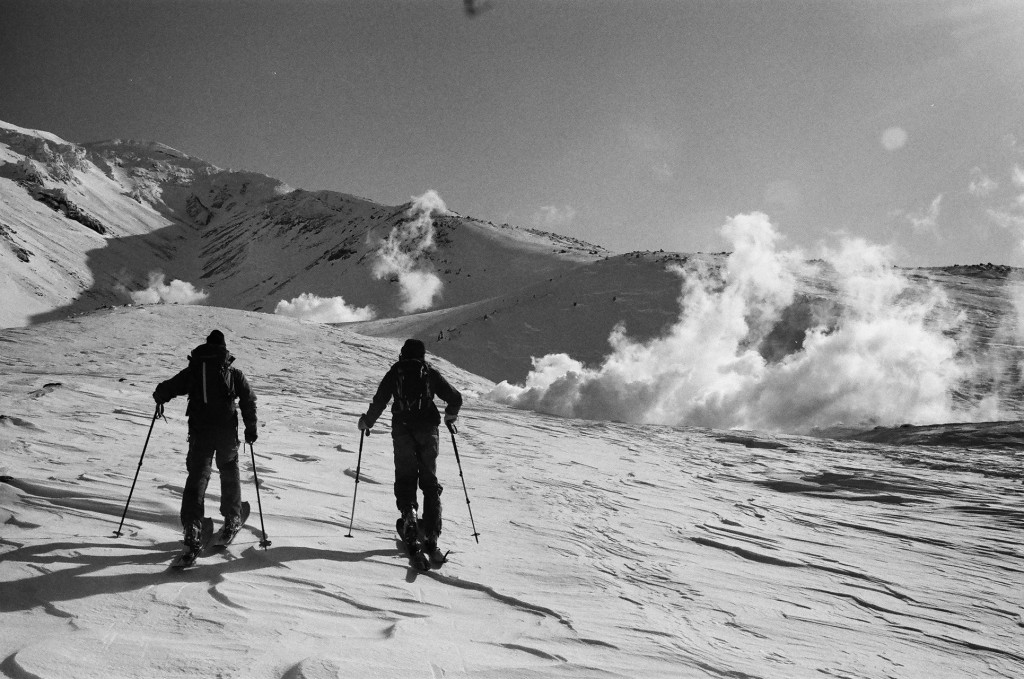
(213, 386)
(413, 382)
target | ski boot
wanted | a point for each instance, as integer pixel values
(193, 535)
(229, 530)
(193, 541)
(433, 553)
(408, 529)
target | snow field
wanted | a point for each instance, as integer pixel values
(605, 549)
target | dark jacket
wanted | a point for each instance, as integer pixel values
(429, 416)
(184, 383)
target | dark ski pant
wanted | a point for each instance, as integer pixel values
(416, 464)
(205, 445)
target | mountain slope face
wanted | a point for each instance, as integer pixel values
(58, 206)
(328, 244)
(84, 224)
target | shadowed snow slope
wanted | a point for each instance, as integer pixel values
(605, 549)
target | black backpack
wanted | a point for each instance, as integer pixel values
(413, 396)
(211, 395)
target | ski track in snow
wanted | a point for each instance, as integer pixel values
(605, 549)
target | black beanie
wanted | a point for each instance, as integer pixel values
(413, 348)
(216, 338)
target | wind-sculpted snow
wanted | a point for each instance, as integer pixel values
(606, 549)
(884, 351)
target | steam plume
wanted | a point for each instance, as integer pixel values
(398, 253)
(159, 292)
(309, 307)
(885, 356)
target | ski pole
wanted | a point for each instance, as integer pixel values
(158, 413)
(359, 462)
(453, 430)
(264, 543)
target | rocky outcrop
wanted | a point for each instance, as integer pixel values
(197, 212)
(58, 200)
(57, 160)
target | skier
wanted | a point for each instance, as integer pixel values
(212, 386)
(413, 383)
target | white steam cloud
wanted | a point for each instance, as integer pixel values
(1017, 176)
(884, 357)
(309, 307)
(159, 292)
(398, 254)
(927, 220)
(981, 184)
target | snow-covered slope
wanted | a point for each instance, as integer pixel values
(86, 224)
(327, 244)
(606, 550)
(571, 311)
(58, 210)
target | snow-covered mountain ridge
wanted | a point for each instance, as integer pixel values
(248, 240)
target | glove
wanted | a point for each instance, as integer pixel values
(449, 419)
(363, 426)
(250, 434)
(157, 399)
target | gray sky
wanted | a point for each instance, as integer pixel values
(634, 125)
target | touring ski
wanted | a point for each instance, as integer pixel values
(188, 556)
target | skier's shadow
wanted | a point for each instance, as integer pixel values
(67, 577)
